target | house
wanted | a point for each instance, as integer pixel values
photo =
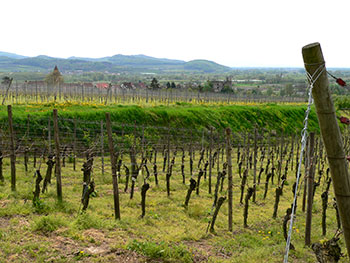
(140, 85)
(127, 85)
(102, 85)
(218, 85)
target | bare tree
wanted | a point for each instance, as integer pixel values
(6, 81)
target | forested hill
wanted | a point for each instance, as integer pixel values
(115, 64)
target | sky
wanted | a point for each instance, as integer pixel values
(235, 33)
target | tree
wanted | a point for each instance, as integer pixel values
(227, 89)
(289, 89)
(6, 81)
(168, 86)
(54, 78)
(173, 86)
(282, 92)
(208, 86)
(54, 81)
(155, 84)
(269, 91)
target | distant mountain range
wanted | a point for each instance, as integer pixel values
(10, 62)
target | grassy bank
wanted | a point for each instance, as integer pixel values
(287, 118)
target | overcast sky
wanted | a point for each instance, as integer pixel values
(236, 33)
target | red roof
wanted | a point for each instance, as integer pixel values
(102, 85)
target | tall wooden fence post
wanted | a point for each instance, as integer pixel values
(310, 191)
(314, 62)
(255, 158)
(49, 133)
(229, 171)
(114, 168)
(57, 156)
(102, 150)
(12, 149)
(210, 158)
(74, 144)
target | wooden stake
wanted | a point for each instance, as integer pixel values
(57, 156)
(114, 168)
(254, 162)
(49, 133)
(310, 191)
(313, 58)
(230, 185)
(74, 144)
(280, 161)
(102, 150)
(210, 159)
(12, 149)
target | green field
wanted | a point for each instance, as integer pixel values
(52, 231)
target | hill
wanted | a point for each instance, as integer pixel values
(204, 65)
(114, 64)
(10, 55)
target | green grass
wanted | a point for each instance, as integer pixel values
(168, 232)
(161, 250)
(287, 118)
(47, 224)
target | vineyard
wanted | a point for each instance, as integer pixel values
(101, 190)
(34, 92)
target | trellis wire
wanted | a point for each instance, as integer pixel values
(304, 134)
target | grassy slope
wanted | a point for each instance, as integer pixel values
(238, 118)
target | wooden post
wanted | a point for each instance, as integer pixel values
(12, 149)
(114, 168)
(168, 152)
(291, 153)
(82, 92)
(306, 168)
(229, 171)
(255, 157)
(313, 59)
(49, 133)
(218, 155)
(268, 152)
(74, 144)
(2, 179)
(191, 155)
(210, 158)
(16, 92)
(102, 150)
(281, 160)
(57, 156)
(247, 152)
(143, 142)
(310, 190)
(26, 148)
(36, 91)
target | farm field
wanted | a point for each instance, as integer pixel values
(47, 230)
